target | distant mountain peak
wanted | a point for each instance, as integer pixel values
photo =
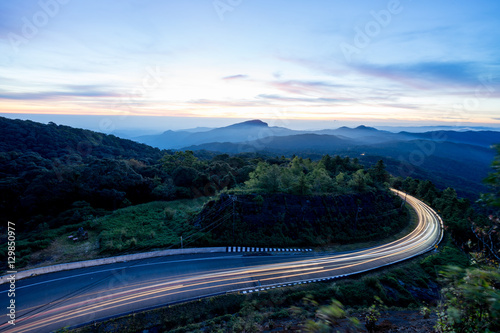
(359, 128)
(365, 128)
(255, 122)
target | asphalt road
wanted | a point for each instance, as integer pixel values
(52, 301)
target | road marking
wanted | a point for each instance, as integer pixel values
(119, 268)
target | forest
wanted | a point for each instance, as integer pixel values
(53, 178)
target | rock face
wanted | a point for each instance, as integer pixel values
(313, 220)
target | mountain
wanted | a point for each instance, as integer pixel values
(447, 164)
(448, 158)
(240, 132)
(478, 138)
(363, 134)
(422, 129)
(254, 130)
(288, 145)
(197, 129)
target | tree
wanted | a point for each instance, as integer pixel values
(427, 191)
(302, 185)
(320, 180)
(184, 176)
(493, 181)
(378, 173)
(470, 301)
(359, 180)
(297, 166)
(410, 185)
(328, 163)
(180, 158)
(340, 179)
(271, 180)
(266, 178)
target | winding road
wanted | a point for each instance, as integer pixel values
(48, 302)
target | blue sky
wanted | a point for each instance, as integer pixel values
(370, 62)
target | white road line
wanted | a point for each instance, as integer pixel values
(118, 268)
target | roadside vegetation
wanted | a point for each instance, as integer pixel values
(325, 305)
(145, 227)
(453, 289)
(130, 197)
(90, 190)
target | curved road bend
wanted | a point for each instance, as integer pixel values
(52, 301)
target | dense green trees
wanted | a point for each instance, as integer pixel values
(285, 220)
(329, 175)
(493, 182)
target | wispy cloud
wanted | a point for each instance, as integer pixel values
(71, 91)
(322, 100)
(236, 77)
(402, 106)
(303, 87)
(227, 103)
(425, 75)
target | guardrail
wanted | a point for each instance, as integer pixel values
(263, 249)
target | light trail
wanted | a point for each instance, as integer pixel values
(148, 292)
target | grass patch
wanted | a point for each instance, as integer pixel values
(145, 227)
(149, 226)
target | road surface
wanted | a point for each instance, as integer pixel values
(52, 301)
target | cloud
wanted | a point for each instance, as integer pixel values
(307, 100)
(236, 77)
(223, 103)
(402, 106)
(70, 91)
(303, 87)
(425, 75)
(278, 75)
(424, 33)
(321, 66)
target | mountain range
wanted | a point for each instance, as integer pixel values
(255, 132)
(460, 159)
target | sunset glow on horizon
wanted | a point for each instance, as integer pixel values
(384, 62)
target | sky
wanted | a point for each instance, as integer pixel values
(202, 62)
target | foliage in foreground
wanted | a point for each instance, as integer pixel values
(470, 300)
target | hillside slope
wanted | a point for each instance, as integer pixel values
(282, 219)
(46, 170)
(57, 141)
(446, 163)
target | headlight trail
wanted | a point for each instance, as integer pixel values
(132, 290)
